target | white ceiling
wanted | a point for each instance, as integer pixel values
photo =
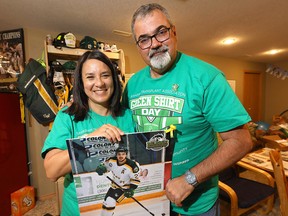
(259, 25)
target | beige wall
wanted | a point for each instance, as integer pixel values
(34, 45)
(276, 93)
(133, 60)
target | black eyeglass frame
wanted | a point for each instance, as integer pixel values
(155, 36)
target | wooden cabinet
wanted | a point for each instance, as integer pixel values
(13, 150)
(52, 53)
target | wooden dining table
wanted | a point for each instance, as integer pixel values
(260, 159)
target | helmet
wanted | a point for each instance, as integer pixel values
(121, 149)
(59, 41)
(53, 67)
(70, 65)
(88, 43)
(65, 40)
(58, 77)
(263, 126)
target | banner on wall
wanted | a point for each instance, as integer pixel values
(277, 71)
(12, 58)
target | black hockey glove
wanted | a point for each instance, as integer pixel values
(129, 193)
(101, 169)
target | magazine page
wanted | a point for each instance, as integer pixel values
(124, 178)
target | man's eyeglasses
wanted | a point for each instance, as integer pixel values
(162, 35)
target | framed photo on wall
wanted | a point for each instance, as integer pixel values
(12, 58)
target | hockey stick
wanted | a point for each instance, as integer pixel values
(131, 197)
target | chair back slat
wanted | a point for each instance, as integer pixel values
(281, 181)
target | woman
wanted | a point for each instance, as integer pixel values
(95, 111)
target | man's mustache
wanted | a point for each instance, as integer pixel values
(163, 48)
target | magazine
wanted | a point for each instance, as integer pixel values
(124, 178)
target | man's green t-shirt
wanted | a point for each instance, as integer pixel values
(195, 97)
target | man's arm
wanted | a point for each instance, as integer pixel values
(236, 144)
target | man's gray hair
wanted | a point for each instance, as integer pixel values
(147, 9)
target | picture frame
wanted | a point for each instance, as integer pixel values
(12, 58)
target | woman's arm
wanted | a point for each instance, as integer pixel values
(57, 164)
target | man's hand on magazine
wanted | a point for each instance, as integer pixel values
(129, 193)
(101, 169)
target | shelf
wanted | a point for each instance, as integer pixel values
(75, 53)
(55, 54)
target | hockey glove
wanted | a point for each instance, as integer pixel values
(101, 169)
(129, 193)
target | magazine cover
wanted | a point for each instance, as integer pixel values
(124, 178)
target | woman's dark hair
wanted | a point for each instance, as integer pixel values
(80, 106)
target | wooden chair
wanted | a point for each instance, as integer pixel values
(242, 193)
(281, 181)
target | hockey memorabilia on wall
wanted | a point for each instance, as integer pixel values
(277, 72)
(127, 178)
(12, 58)
(38, 96)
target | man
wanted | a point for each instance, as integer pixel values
(124, 181)
(194, 96)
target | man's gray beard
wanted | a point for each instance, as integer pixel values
(160, 61)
